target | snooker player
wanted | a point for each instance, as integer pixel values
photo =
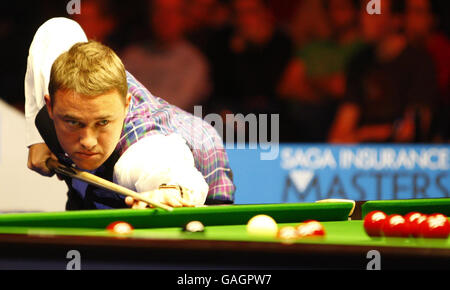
(86, 111)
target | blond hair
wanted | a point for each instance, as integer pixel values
(88, 68)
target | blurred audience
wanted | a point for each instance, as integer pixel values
(391, 86)
(420, 30)
(208, 28)
(254, 53)
(165, 62)
(333, 72)
(326, 38)
(205, 18)
(97, 20)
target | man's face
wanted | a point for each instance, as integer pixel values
(88, 127)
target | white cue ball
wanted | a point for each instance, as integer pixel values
(262, 225)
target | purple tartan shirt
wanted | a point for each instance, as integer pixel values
(149, 115)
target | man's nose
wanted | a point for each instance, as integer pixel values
(88, 139)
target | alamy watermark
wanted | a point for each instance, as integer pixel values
(73, 7)
(373, 7)
(243, 132)
(375, 260)
(75, 260)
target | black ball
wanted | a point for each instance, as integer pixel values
(194, 227)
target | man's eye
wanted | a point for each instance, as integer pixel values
(73, 123)
(103, 123)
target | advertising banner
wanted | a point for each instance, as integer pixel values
(310, 172)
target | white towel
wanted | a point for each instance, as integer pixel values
(52, 38)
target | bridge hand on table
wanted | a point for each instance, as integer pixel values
(169, 196)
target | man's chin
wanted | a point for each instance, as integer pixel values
(90, 166)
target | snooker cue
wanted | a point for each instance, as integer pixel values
(100, 182)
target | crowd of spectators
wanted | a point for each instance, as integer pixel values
(332, 71)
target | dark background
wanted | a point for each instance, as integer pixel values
(315, 63)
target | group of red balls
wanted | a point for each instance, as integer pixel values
(414, 224)
(309, 228)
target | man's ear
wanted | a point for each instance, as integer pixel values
(48, 103)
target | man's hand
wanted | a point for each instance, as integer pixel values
(37, 155)
(169, 196)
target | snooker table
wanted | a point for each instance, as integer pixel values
(43, 240)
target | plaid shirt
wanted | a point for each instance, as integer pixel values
(149, 115)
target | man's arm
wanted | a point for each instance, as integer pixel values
(157, 160)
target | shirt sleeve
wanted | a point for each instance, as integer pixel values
(158, 159)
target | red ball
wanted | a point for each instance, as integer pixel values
(120, 228)
(395, 226)
(435, 226)
(373, 223)
(415, 220)
(310, 228)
